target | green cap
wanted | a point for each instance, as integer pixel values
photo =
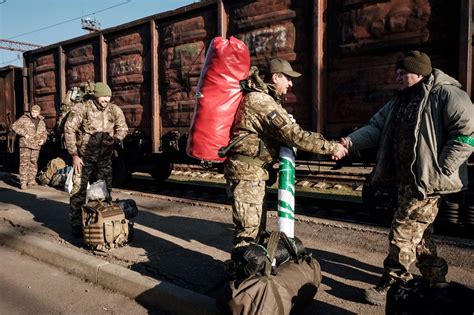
(102, 89)
(279, 65)
(36, 108)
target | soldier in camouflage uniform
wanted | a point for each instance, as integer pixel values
(90, 132)
(32, 131)
(425, 136)
(261, 124)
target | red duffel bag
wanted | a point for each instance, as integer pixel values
(218, 96)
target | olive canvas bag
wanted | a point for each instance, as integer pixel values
(284, 290)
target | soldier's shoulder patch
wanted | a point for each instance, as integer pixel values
(276, 119)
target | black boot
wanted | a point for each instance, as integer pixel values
(378, 294)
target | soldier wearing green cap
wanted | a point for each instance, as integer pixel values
(91, 130)
(32, 132)
(261, 124)
(425, 134)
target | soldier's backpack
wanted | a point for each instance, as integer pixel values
(104, 225)
(46, 176)
(75, 95)
(285, 289)
(60, 177)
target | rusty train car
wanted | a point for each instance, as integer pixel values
(346, 50)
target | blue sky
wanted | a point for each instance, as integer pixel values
(18, 17)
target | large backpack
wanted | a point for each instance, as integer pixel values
(74, 95)
(45, 176)
(104, 225)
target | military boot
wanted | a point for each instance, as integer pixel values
(378, 294)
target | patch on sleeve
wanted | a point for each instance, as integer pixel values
(277, 120)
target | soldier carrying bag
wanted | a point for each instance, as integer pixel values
(283, 290)
(104, 225)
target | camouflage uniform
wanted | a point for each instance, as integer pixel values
(31, 131)
(265, 123)
(86, 128)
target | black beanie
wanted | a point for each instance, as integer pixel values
(416, 62)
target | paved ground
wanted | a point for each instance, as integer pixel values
(186, 244)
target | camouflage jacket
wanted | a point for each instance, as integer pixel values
(87, 127)
(267, 124)
(30, 133)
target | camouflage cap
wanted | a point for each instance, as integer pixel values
(279, 65)
(36, 108)
(102, 89)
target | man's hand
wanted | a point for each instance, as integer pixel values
(77, 164)
(344, 142)
(40, 142)
(341, 152)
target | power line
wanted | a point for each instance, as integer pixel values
(70, 20)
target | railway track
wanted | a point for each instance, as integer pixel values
(321, 194)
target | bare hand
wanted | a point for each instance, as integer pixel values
(77, 164)
(41, 142)
(341, 152)
(344, 142)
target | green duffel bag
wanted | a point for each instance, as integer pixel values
(287, 289)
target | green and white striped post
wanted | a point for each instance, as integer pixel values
(286, 192)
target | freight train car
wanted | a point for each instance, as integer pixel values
(346, 50)
(11, 108)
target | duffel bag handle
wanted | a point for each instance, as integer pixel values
(275, 236)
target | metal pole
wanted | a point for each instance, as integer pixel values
(286, 192)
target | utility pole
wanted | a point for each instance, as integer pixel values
(17, 46)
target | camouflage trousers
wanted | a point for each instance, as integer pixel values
(410, 234)
(28, 165)
(247, 207)
(91, 171)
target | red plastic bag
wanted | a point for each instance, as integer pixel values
(218, 96)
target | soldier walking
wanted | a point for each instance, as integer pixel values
(32, 132)
(261, 124)
(90, 132)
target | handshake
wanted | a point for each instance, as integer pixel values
(342, 149)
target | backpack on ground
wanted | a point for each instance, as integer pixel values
(46, 176)
(59, 178)
(104, 225)
(286, 289)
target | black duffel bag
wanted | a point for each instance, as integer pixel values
(419, 296)
(283, 290)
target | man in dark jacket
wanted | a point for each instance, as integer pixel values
(425, 136)
(263, 124)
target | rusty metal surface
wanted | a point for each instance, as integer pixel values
(361, 41)
(182, 51)
(278, 29)
(44, 83)
(366, 38)
(128, 57)
(9, 94)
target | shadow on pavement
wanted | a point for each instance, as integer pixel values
(346, 268)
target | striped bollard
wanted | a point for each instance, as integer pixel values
(286, 192)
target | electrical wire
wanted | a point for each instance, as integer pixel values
(70, 20)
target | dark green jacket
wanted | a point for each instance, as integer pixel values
(444, 138)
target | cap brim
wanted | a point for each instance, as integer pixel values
(292, 74)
